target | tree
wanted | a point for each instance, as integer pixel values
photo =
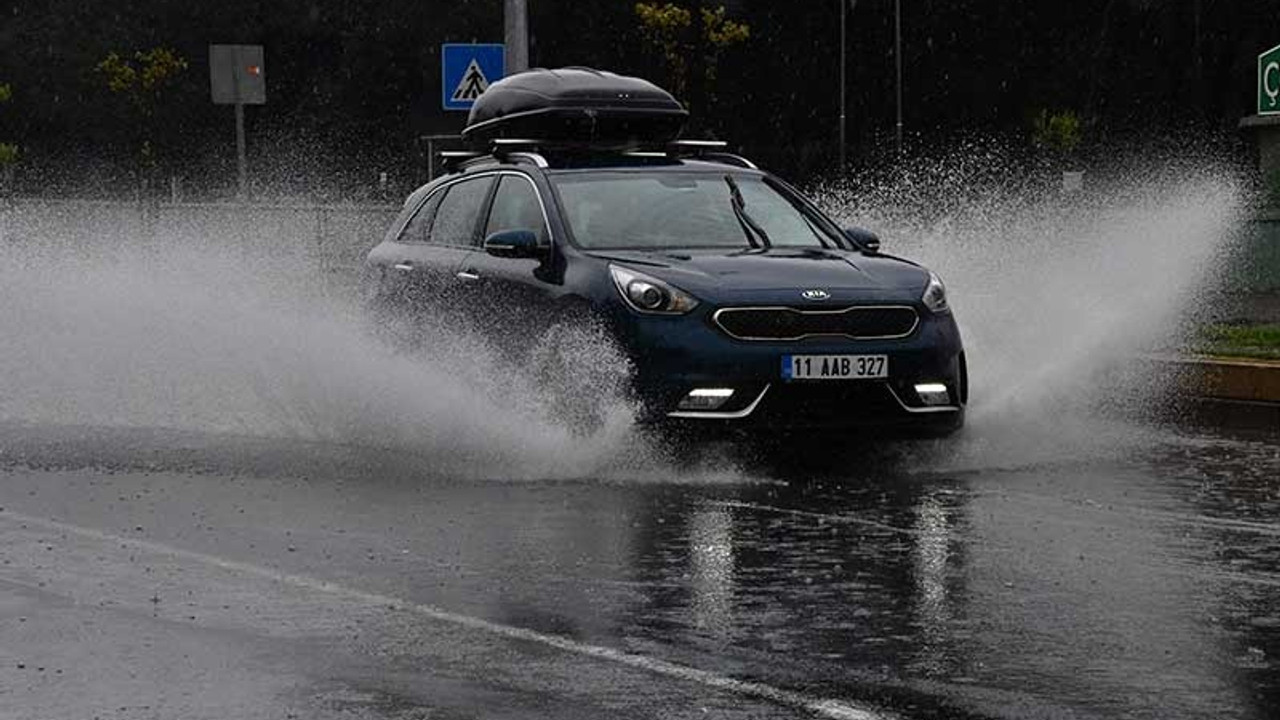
(1056, 132)
(141, 83)
(8, 150)
(690, 41)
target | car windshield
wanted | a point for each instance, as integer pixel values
(661, 210)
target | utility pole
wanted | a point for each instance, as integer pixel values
(897, 56)
(516, 19)
(846, 7)
(242, 160)
(843, 66)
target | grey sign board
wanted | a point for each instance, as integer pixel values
(237, 75)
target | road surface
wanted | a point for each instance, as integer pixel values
(157, 574)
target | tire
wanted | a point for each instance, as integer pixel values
(580, 374)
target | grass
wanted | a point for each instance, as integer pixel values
(1244, 341)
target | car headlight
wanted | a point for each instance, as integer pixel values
(650, 295)
(935, 295)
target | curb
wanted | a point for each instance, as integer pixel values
(1236, 379)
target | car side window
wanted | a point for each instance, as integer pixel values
(415, 231)
(459, 212)
(516, 207)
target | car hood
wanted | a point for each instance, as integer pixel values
(780, 274)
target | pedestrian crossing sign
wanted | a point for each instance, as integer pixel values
(467, 70)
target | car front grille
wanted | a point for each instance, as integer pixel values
(785, 323)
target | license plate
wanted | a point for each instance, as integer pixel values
(834, 367)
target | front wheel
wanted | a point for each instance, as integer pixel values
(581, 376)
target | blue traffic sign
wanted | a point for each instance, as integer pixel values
(467, 70)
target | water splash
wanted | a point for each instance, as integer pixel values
(221, 321)
(1059, 296)
(185, 328)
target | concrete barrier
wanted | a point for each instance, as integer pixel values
(1229, 378)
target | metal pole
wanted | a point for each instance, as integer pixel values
(516, 17)
(897, 56)
(843, 106)
(431, 158)
(242, 163)
(431, 141)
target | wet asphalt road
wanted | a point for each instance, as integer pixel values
(163, 575)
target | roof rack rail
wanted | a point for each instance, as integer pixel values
(536, 158)
(519, 149)
(730, 158)
(515, 142)
(504, 149)
(453, 160)
(696, 145)
(531, 150)
(708, 150)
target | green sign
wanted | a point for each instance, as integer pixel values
(1269, 82)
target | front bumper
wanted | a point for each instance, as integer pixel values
(674, 355)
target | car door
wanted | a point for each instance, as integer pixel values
(421, 265)
(515, 297)
(397, 257)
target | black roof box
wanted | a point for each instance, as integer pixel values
(575, 106)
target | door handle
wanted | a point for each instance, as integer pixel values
(467, 275)
(404, 266)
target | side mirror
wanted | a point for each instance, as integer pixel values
(513, 244)
(864, 239)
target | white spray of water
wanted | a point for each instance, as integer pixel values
(215, 321)
(1059, 296)
(177, 330)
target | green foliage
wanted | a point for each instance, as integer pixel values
(666, 27)
(665, 21)
(8, 151)
(721, 31)
(141, 82)
(142, 78)
(1056, 131)
(1253, 341)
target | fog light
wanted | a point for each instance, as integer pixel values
(705, 398)
(933, 394)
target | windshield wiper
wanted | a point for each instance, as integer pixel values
(749, 226)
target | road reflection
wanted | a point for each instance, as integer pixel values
(934, 603)
(1085, 587)
(711, 570)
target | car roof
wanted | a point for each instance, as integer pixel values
(557, 162)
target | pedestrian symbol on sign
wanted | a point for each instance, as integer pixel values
(473, 83)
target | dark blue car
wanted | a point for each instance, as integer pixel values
(739, 303)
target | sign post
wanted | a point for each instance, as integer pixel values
(1269, 82)
(468, 70)
(237, 76)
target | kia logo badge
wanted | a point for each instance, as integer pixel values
(815, 294)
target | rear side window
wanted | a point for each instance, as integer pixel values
(459, 212)
(415, 231)
(516, 207)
